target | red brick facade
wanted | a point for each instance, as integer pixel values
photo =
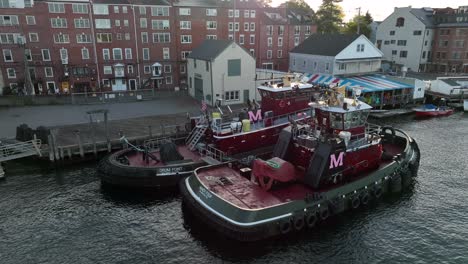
(134, 44)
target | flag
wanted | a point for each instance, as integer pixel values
(203, 106)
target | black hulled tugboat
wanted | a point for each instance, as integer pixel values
(319, 168)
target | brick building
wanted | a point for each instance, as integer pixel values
(102, 45)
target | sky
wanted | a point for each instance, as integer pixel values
(380, 9)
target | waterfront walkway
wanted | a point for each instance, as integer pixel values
(63, 115)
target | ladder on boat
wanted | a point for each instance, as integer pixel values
(195, 136)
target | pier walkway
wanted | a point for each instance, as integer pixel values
(12, 149)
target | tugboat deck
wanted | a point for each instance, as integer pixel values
(136, 159)
(231, 186)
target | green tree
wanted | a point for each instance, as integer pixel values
(265, 3)
(364, 22)
(330, 16)
(299, 4)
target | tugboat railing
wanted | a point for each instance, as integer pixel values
(155, 143)
(212, 152)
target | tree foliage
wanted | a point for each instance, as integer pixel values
(330, 16)
(364, 21)
(265, 3)
(299, 4)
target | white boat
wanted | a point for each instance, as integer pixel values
(465, 105)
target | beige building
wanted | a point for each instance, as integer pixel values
(221, 69)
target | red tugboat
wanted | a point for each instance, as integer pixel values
(337, 162)
(162, 163)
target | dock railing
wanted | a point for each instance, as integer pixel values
(213, 153)
(20, 150)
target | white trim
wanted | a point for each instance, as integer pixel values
(200, 201)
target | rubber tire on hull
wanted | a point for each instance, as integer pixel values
(311, 219)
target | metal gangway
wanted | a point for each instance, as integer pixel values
(12, 149)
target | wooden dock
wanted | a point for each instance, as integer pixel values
(81, 140)
(11, 149)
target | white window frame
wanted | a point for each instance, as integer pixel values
(102, 23)
(80, 8)
(185, 39)
(252, 13)
(132, 69)
(43, 52)
(85, 53)
(56, 7)
(166, 54)
(241, 39)
(269, 54)
(117, 54)
(11, 70)
(61, 38)
(128, 54)
(10, 54)
(280, 41)
(48, 72)
(185, 24)
(143, 36)
(81, 22)
(182, 69)
(127, 36)
(106, 54)
(30, 20)
(211, 12)
(252, 39)
(146, 54)
(279, 54)
(184, 11)
(57, 22)
(252, 26)
(33, 37)
(167, 68)
(211, 25)
(143, 22)
(107, 70)
(147, 69)
(246, 26)
(246, 13)
(116, 10)
(168, 79)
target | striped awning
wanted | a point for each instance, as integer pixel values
(369, 83)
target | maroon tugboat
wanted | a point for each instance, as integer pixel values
(214, 138)
(320, 167)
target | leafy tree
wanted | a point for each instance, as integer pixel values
(330, 16)
(299, 4)
(364, 22)
(265, 3)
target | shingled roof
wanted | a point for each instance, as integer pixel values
(210, 49)
(325, 44)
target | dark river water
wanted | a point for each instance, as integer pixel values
(64, 216)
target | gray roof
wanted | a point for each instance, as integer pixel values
(444, 25)
(196, 3)
(210, 49)
(424, 16)
(325, 44)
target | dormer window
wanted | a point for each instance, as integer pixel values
(400, 22)
(360, 48)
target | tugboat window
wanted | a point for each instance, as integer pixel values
(336, 121)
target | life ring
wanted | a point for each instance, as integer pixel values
(299, 222)
(285, 227)
(378, 191)
(365, 198)
(355, 202)
(282, 103)
(311, 219)
(324, 214)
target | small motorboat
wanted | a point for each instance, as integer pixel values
(430, 110)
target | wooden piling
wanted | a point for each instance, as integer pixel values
(80, 144)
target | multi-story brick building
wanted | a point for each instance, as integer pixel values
(450, 50)
(83, 46)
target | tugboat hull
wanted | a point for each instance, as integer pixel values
(256, 224)
(113, 172)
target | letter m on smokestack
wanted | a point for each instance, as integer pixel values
(336, 162)
(255, 117)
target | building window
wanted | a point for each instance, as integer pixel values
(168, 79)
(231, 96)
(99, 9)
(63, 54)
(81, 23)
(9, 20)
(119, 36)
(186, 39)
(128, 54)
(459, 43)
(166, 54)
(270, 42)
(400, 22)
(234, 67)
(143, 22)
(61, 38)
(146, 54)
(231, 37)
(392, 41)
(124, 10)
(392, 33)
(85, 54)
(443, 43)
(456, 55)
(327, 67)
(127, 36)
(130, 69)
(80, 8)
(58, 22)
(27, 53)
(360, 48)
(211, 37)
(424, 55)
(104, 37)
(211, 24)
(160, 24)
(236, 13)
(49, 72)
(185, 24)
(386, 42)
(103, 23)
(280, 42)
(246, 26)
(45, 54)
(147, 69)
(246, 14)
(33, 37)
(394, 52)
(241, 39)
(184, 54)
(296, 41)
(297, 30)
(11, 73)
(231, 26)
(160, 11)
(269, 30)
(417, 33)
(142, 10)
(31, 20)
(144, 37)
(269, 54)
(184, 11)
(106, 54)
(280, 30)
(307, 30)
(252, 13)
(56, 8)
(182, 68)
(167, 68)
(107, 69)
(252, 52)
(161, 37)
(403, 54)
(401, 43)
(252, 26)
(116, 9)
(252, 39)
(7, 55)
(342, 66)
(236, 26)
(280, 54)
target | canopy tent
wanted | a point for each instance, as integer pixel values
(369, 83)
